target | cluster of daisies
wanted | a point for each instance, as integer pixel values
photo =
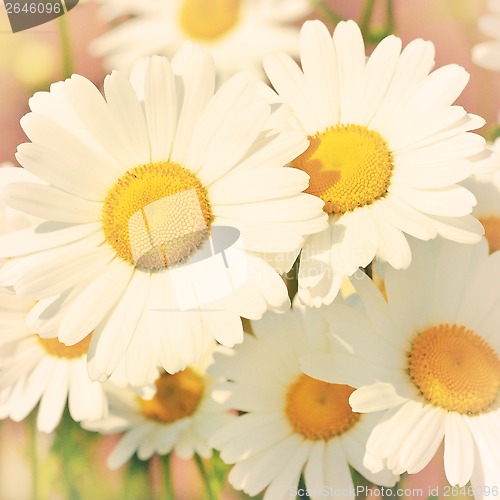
(149, 219)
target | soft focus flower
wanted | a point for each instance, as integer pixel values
(486, 189)
(35, 369)
(430, 357)
(294, 424)
(487, 54)
(235, 32)
(179, 418)
(157, 200)
(387, 148)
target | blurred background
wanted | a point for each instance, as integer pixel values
(72, 465)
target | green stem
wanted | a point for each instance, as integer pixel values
(389, 22)
(210, 488)
(167, 478)
(67, 57)
(33, 454)
(327, 12)
(366, 17)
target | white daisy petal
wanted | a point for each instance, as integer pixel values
(35, 386)
(126, 447)
(97, 117)
(86, 399)
(458, 450)
(42, 237)
(376, 397)
(127, 110)
(196, 82)
(77, 173)
(336, 469)
(320, 72)
(94, 302)
(350, 51)
(289, 476)
(315, 468)
(141, 359)
(54, 398)
(289, 82)
(161, 107)
(119, 329)
(51, 203)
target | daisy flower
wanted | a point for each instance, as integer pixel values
(235, 32)
(295, 424)
(487, 54)
(179, 418)
(164, 206)
(386, 149)
(43, 370)
(430, 357)
(486, 189)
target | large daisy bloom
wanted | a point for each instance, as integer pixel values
(179, 418)
(429, 356)
(487, 54)
(235, 32)
(486, 189)
(387, 148)
(162, 206)
(294, 424)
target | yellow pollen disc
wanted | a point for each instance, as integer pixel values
(350, 166)
(57, 349)
(491, 231)
(319, 410)
(156, 215)
(455, 369)
(177, 396)
(208, 20)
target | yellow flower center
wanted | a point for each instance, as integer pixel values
(208, 20)
(177, 396)
(57, 349)
(491, 231)
(455, 369)
(156, 215)
(319, 410)
(350, 166)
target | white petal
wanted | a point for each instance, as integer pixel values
(196, 84)
(95, 301)
(127, 111)
(458, 450)
(54, 398)
(126, 447)
(225, 327)
(375, 397)
(160, 102)
(319, 63)
(50, 203)
(109, 345)
(43, 237)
